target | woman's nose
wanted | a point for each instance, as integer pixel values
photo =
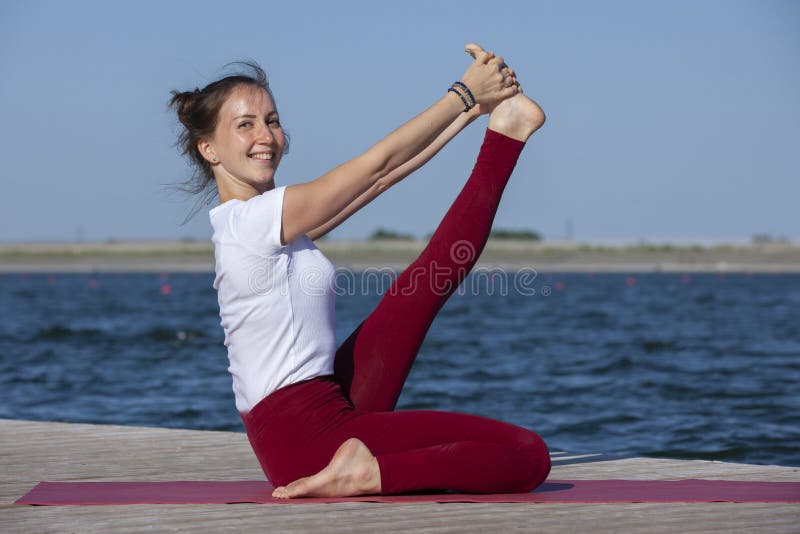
(263, 133)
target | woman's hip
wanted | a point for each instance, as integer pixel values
(289, 429)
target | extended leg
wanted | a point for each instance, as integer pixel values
(373, 363)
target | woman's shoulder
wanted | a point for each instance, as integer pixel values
(223, 207)
(256, 221)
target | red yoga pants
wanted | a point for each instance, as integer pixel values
(296, 430)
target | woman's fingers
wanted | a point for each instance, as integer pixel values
(510, 80)
(509, 91)
(473, 50)
(478, 53)
(498, 61)
(489, 77)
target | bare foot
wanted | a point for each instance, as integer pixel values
(517, 117)
(353, 470)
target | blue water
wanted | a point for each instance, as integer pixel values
(665, 365)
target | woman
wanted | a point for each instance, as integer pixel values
(319, 418)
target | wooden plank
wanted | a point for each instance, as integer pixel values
(33, 451)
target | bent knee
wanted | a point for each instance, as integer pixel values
(538, 462)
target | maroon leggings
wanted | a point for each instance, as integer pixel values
(295, 430)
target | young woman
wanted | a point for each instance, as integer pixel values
(321, 419)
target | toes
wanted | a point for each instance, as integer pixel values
(297, 489)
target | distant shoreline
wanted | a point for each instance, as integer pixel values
(197, 256)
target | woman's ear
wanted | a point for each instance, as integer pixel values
(206, 150)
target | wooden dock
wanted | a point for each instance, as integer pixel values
(34, 451)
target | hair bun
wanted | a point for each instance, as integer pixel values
(183, 103)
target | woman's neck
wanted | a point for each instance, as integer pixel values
(227, 191)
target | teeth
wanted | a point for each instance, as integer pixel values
(261, 156)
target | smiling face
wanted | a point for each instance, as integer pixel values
(247, 145)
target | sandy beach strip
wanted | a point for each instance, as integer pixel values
(198, 256)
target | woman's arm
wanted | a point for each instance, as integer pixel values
(382, 184)
(307, 206)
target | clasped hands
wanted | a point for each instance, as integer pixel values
(489, 78)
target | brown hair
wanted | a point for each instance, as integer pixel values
(198, 112)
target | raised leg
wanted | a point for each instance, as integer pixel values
(373, 363)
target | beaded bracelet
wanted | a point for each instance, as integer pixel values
(463, 86)
(467, 107)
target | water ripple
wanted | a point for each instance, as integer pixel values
(703, 367)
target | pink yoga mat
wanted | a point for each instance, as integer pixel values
(552, 491)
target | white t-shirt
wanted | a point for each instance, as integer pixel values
(276, 302)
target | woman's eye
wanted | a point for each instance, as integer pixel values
(245, 124)
(274, 122)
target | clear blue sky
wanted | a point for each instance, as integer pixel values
(676, 119)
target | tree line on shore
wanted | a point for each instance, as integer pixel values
(500, 233)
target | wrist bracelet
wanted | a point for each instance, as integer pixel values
(463, 86)
(467, 107)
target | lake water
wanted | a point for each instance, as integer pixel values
(702, 366)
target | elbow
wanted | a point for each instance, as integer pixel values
(381, 184)
(378, 164)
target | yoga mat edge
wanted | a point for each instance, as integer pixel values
(553, 491)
